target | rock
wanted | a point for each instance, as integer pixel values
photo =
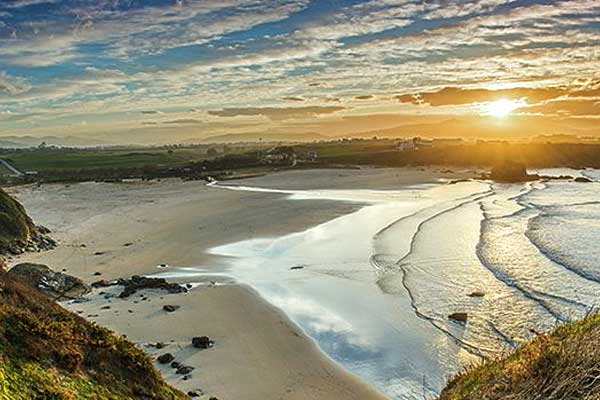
(202, 342)
(57, 285)
(105, 307)
(297, 267)
(98, 253)
(136, 282)
(160, 345)
(97, 273)
(102, 283)
(582, 179)
(127, 244)
(476, 294)
(510, 171)
(175, 364)
(195, 393)
(213, 398)
(459, 316)
(184, 370)
(185, 378)
(170, 308)
(165, 358)
(43, 230)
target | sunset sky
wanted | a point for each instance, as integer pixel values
(158, 71)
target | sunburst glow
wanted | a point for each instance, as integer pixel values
(501, 108)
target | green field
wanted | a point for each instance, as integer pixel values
(52, 161)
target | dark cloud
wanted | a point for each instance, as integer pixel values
(184, 121)
(276, 113)
(292, 98)
(457, 96)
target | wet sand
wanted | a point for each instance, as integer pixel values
(119, 230)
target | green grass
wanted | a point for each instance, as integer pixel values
(561, 365)
(49, 353)
(52, 161)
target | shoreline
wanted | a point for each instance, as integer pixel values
(147, 217)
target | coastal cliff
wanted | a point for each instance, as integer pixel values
(47, 352)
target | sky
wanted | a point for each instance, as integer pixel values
(166, 71)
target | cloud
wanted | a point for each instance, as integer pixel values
(276, 113)
(458, 96)
(12, 85)
(579, 107)
(186, 121)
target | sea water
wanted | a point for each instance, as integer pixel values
(375, 288)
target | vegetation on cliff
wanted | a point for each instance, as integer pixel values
(47, 352)
(563, 364)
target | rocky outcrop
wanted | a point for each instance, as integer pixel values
(510, 171)
(54, 284)
(136, 282)
(18, 233)
(582, 179)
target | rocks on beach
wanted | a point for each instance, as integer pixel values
(165, 358)
(511, 171)
(202, 342)
(136, 283)
(56, 285)
(184, 370)
(582, 179)
(476, 293)
(170, 308)
(459, 316)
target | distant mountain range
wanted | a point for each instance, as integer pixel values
(256, 137)
(16, 142)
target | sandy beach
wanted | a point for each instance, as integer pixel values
(109, 231)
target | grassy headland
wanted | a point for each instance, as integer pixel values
(561, 365)
(49, 353)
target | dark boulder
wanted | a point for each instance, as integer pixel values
(136, 282)
(170, 308)
(102, 283)
(56, 285)
(582, 179)
(184, 370)
(510, 171)
(476, 293)
(459, 316)
(202, 342)
(165, 358)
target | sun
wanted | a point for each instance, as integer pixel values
(501, 108)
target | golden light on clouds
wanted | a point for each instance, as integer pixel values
(502, 107)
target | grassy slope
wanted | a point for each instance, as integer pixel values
(561, 365)
(48, 353)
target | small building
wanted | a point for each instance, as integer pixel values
(413, 144)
